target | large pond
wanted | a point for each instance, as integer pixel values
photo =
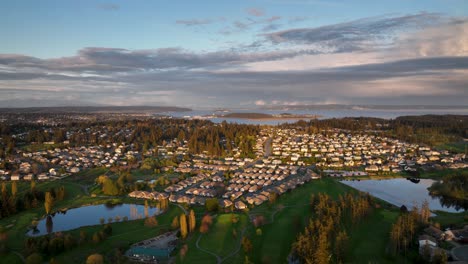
(90, 215)
(405, 192)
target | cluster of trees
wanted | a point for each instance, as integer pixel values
(407, 226)
(206, 223)
(454, 185)
(212, 204)
(187, 224)
(54, 244)
(123, 184)
(221, 139)
(11, 202)
(202, 135)
(325, 237)
(151, 221)
(155, 165)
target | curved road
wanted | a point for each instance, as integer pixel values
(19, 255)
(218, 257)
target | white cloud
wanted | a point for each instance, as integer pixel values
(260, 102)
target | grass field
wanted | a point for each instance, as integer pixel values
(87, 177)
(123, 235)
(453, 220)
(287, 217)
(369, 239)
(457, 147)
(219, 240)
(18, 224)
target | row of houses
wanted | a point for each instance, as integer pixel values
(342, 149)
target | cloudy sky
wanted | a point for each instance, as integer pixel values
(233, 53)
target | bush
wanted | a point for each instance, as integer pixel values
(212, 204)
(151, 222)
(34, 258)
(95, 259)
(258, 232)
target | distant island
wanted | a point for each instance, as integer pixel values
(263, 116)
(96, 109)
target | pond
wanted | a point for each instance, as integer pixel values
(90, 215)
(405, 192)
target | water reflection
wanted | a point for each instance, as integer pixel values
(407, 192)
(414, 180)
(90, 215)
(49, 224)
(446, 201)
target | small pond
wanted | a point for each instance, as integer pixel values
(90, 215)
(406, 192)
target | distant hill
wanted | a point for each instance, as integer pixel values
(267, 116)
(248, 115)
(96, 109)
(363, 107)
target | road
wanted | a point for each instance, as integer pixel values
(219, 258)
(268, 147)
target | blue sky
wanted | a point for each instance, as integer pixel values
(211, 52)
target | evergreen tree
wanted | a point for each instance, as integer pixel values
(183, 226)
(14, 188)
(192, 221)
(48, 202)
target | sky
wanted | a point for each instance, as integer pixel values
(234, 54)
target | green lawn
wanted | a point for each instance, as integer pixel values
(457, 147)
(438, 174)
(220, 239)
(453, 220)
(290, 214)
(10, 258)
(290, 211)
(123, 235)
(88, 177)
(41, 147)
(369, 239)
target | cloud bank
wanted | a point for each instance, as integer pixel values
(419, 58)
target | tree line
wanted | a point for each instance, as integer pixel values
(325, 239)
(11, 202)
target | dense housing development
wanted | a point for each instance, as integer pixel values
(277, 152)
(176, 182)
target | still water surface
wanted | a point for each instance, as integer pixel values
(90, 215)
(403, 192)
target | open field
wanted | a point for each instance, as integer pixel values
(454, 220)
(457, 147)
(220, 240)
(285, 219)
(87, 177)
(437, 175)
(369, 239)
(222, 236)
